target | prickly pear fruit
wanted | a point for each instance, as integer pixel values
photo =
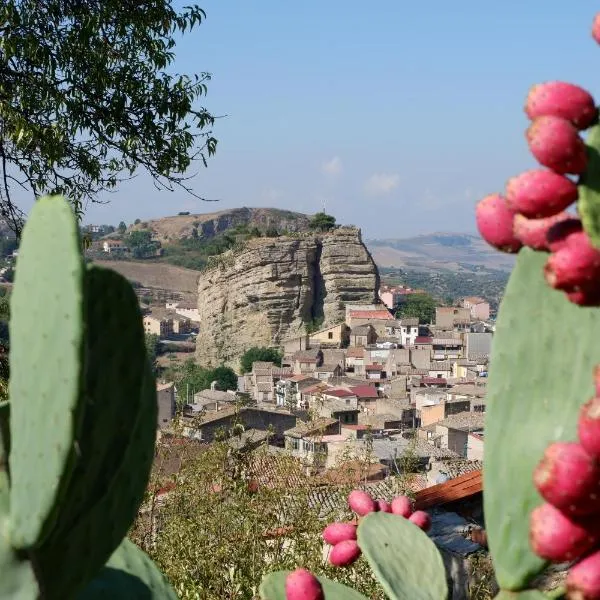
(588, 426)
(568, 478)
(559, 232)
(303, 585)
(421, 519)
(575, 266)
(596, 28)
(344, 553)
(361, 503)
(534, 232)
(540, 193)
(338, 532)
(556, 144)
(403, 506)
(561, 99)
(495, 223)
(583, 579)
(384, 506)
(557, 537)
(586, 296)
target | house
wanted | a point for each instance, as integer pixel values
(355, 360)
(308, 440)
(462, 433)
(263, 379)
(446, 348)
(186, 310)
(288, 390)
(306, 361)
(181, 324)
(477, 345)
(480, 309)
(158, 322)
(165, 395)
(340, 404)
(394, 296)
(375, 372)
(423, 342)
(452, 318)
(114, 247)
(461, 368)
(376, 317)
(435, 411)
(362, 335)
(366, 396)
(337, 336)
(328, 371)
(210, 400)
(441, 369)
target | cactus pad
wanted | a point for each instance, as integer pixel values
(588, 205)
(543, 355)
(405, 561)
(130, 574)
(17, 580)
(45, 381)
(273, 588)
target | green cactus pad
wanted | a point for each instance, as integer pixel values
(543, 355)
(98, 532)
(588, 205)
(273, 588)
(525, 595)
(46, 333)
(4, 452)
(405, 561)
(115, 358)
(17, 580)
(130, 574)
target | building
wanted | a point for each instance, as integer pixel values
(158, 323)
(409, 331)
(337, 336)
(477, 345)
(362, 335)
(452, 318)
(480, 309)
(165, 395)
(394, 296)
(114, 246)
(189, 311)
(376, 317)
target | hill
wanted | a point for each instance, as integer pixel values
(455, 252)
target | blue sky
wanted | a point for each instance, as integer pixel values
(397, 115)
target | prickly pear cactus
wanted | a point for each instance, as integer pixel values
(77, 435)
(588, 205)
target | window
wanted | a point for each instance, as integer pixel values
(330, 335)
(294, 445)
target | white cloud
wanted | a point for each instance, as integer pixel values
(333, 167)
(380, 184)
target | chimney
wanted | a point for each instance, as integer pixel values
(213, 386)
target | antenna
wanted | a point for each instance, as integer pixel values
(324, 206)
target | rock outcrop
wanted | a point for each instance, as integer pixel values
(272, 288)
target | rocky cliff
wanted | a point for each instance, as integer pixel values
(273, 287)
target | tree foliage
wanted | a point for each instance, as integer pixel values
(152, 346)
(191, 378)
(322, 222)
(88, 97)
(259, 354)
(421, 306)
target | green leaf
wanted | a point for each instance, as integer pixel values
(46, 355)
(588, 205)
(129, 574)
(273, 588)
(405, 561)
(543, 355)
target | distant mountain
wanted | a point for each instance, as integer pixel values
(439, 251)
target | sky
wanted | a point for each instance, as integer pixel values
(394, 116)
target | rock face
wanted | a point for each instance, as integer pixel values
(274, 287)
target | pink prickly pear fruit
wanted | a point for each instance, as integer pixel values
(559, 232)
(534, 232)
(557, 537)
(588, 425)
(361, 503)
(403, 506)
(495, 223)
(540, 193)
(561, 99)
(587, 296)
(556, 144)
(568, 478)
(303, 585)
(583, 579)
(596, 28)
(384, 506)
(421, 519)
(575, 265)
(338, 532)
(344, 553)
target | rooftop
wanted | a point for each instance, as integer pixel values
(306, 428)
(455, 489)
(365, 391)
(464, 421)
(370, 314)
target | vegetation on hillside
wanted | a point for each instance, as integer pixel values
(420, 306)
(256, 354)
(322, 222)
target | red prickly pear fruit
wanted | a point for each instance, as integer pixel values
(596, 28)
(534, 232)
(588, 425)
(540, 193)
(361, 503)
(561, 99)
(583, 579)
(344, 553)
(559, 232)
(303, 585)
(338, 532)
(575, 265)
(495, 223)
(587, 296)
(403, 506)
(556, 144)
(557, 537)
(421, 519)
(568, 478)
(384, 506)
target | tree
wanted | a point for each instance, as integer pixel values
(152, 346)
(259, 354)
(421, 306)
(192, 378)
(89, 97)
(322, 222)
(137, 221)
(225, 377)
(122, 228)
